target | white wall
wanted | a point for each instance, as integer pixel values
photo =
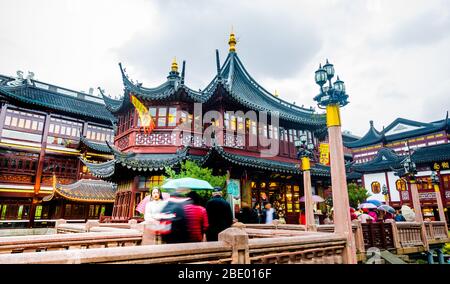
(395, 194)
(368, 179)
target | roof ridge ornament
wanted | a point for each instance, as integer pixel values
(232, 42)
(174, 66)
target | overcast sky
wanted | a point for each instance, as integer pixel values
(393, 55)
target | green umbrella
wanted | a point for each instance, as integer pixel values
(187, 182)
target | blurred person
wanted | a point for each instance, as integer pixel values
(197, 218)
(398, 216)
(269, 214)
(372, 213)
(220, 216)
(256, 214)
(173, 217)
(245, 214)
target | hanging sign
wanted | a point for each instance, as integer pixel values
(324, 150)
(233, 188)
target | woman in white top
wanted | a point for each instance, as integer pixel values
(154, 206)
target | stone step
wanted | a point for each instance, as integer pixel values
(391, 258)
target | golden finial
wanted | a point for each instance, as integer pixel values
(232, 41)
(276, 93)
(174, 65)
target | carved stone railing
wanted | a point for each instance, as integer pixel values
(234, 246)
(40, 243)
(436, 232)
(409, 235)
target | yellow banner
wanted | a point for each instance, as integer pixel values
(144, 115)
(324, 150)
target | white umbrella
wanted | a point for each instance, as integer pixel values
(367, 205)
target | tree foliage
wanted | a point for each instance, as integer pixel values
(356, 195)
(193, 170)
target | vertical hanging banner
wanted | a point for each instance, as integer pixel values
(144, 115)
(324, 150)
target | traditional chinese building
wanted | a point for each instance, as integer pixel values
(377, 153)
(44, 130)
(230, 142)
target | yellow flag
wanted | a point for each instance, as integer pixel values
(144, 115)
(324, 150)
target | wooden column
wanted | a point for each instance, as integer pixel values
(246, 189)
(418, 212)
(342, 220)
(309, 210)
(39, 170)
(134, 188)
(440, 205)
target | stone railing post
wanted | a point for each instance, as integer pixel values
(359, 238)
(148, 235)
(90, 224)
(59, 222)
(395, 234)
(238, 239)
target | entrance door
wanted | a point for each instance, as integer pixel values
(292, 199)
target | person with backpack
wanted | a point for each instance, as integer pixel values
(173, 218)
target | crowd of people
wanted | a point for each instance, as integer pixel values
(256, 215)
(181, 218)
(366, 215)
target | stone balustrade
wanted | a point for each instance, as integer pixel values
(39, 243)
(234, 246)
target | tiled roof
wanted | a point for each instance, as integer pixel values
(436, 153)
(34, 96)
(264, 164)
(93, 146)
(239, 86)
(85, 190)
(374, 136)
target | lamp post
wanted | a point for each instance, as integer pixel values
(435, 181)
(385, 192)
(304, 151)
(408, 172)
(331, 98)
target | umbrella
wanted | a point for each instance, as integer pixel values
(141, 206)
(367, 205)
(187, 182)
(374, 202)
(386, 208)
(315, 198)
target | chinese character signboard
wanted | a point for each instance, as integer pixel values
(437, 166)
(324, 150)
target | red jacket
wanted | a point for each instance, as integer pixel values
(197, 222)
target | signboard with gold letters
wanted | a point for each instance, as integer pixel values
(324, 150)
(438, 166)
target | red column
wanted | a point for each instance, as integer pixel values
(39, 170)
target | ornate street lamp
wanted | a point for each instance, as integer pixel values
(305, 152)
(385, 192)
(332, 98)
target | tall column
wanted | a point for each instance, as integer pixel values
(309, 210)
(2, 117)
(418, 212)
(342, 220)
(39, 171)
(440, 205)
(134, 188)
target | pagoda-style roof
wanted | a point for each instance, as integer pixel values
(85, 190)
(263, 163)
(62, 100)
(385, 160)
(239, 86)
(157, 162)
(399, 129)
(430, 154)
(373, 136)
(93, 146)
(136, 162)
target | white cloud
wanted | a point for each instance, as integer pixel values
(393, 55)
